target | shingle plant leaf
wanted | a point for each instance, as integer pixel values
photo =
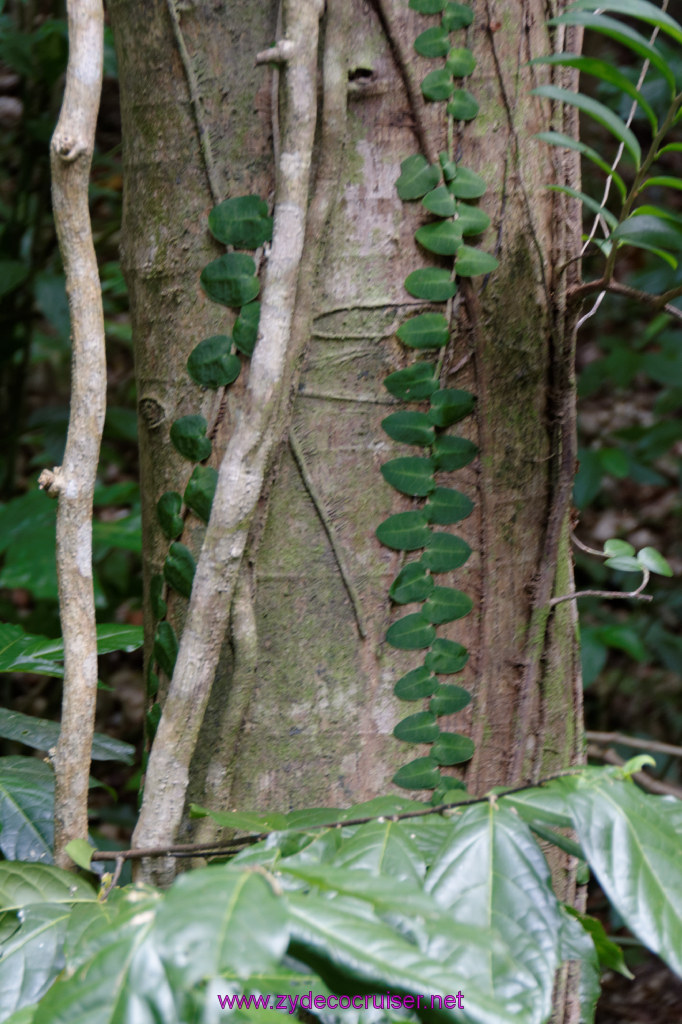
(188, 436)
(230, 280)
(211, 364)
(242, 221)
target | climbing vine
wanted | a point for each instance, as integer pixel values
(446, 190)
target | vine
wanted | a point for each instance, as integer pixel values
(445, 189)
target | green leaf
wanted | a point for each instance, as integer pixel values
(26, 812)
(242, 221)
(411, 633)
(646, 231)
(427, 6)
(453, 452)
(607, 73)
(621, 33)
(654, 562)
(440, 201)
(22, 885)
(437, 85)
(445, 604)
(245, 821)
(42, 734)
(463, 106)
(443, 237)
(633, 848)
(431, 283)
(461, 62)
(445, 552)
(449, 405)
(599, 112)
(381, 891)
(245, 330)
(638, 9)
(168, 509)
(623, 564)
(32, 956)
(419, 728)
(413, 383)
(467, 184)
(417, 177)
(662, 181)
(609, 953)
(416, 684)
(188, 435)
(435, 42)
(470, 220)
(80, 851)
(587, 201)
(447, 700)
(21, 652)
(615, 548)
(165, 647)
(411, 584)
(448, 167)
(158, 604)
(410, 475)
(13, 273)
(200, 491)
(179, 569)
(230, 280)
(452, 748)
(445, 506)
(457, 16)
(471, 262)
(405, 531)
(427, 330)
(211, 365)
(422, 773)
(446, 657)
(566, 142)
(409, 428)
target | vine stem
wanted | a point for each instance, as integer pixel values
(71, 152)
(244, 464)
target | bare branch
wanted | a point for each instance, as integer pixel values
(71, 156)
(657, 302)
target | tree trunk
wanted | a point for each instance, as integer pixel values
(302, 710)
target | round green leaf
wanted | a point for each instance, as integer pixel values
(446, 604)
(463, 106)
(443, 237)
(411, 633)
(615, 547)
(405, 531)
(623, 563)
(419, 728)
(471, 262)
(179, 568)
(445, 552)
(417, 177)
(446, 657)
(165, 647)
(450, 405)
(431, 283)
(461, 62)
(409, 428)
(456, 16)
(245, 330)
(422, 773)
(231, 279)
(428, 330)
(470, 220)
(451, 748)
(440, 201)
(437, 85)
(411, 584)
(416, 685)
(211, 365)
(445, 506)
(467, 184)
(435, 42)
(651, 559)
(200, 490)
(410, 475)
(242, 221)
(168, 513)
(447, 700)
(453, 452)
(188, 435)
(427, 6)
(413, 383)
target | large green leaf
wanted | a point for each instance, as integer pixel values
(26, 811)
(409, 428)
(647, 231)
(411, 633)
(446, 657)
(467, 184)
(492, 874)
(440, 201)
(231, 279)
(405, 531)
(470, 220)
(445, 604)
(419, 728)
(416, 684)
(456, 16)
(385, 849)
(32, 957)
(242, 221)
(188, 435)
(22, 885)
(168, 512)
(428, 330)
(413, 383)
(447, 699)
(431, 283)
(599, 112)
(412, 583)
(437, 85)
(179, 569)
(463, 106)
(444, 237)
(422, 773)
(445, 552)
(42, 734)
(382, 892)
(633, 847)
(18, 652)
(461, 62)
(445, 506)
(642, 9)
(452, 748)
(434, 42)
(449, 405)
(410, 475)
(471, 262)
(211, 364)
(453, 452)
(417, 177)
(200, 491)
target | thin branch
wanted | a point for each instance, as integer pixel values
(657, 302)
(610, 594)
(74, 481)
(655, 746)
(244, 464)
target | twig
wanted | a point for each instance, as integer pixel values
(610, 594)
(632, 741)
(244, 463)
(71, 157)
(601, 285)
